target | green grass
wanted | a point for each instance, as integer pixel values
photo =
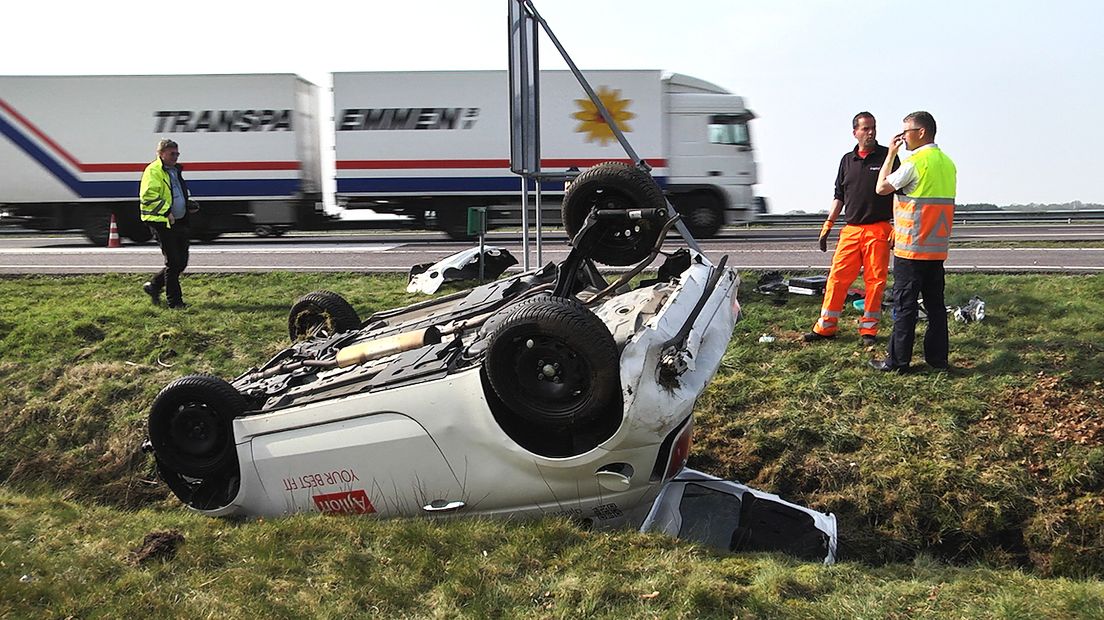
(66, 559)
(974, 494)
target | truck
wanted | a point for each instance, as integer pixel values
(412, 143)
(74, 148)
(425, 145)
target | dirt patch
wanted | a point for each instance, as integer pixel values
(156, 546)
(1052, 416)
(1049, 408)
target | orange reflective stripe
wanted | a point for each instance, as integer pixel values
(922, 227)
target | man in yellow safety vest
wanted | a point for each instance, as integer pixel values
(165, 208)
(923, 214)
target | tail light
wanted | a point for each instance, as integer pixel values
(680, 452)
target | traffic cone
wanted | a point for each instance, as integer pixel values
(113, 234)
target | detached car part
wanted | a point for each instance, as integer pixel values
(428, 277)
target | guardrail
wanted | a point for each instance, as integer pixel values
(961, 217)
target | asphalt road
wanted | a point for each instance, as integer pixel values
(754, 248)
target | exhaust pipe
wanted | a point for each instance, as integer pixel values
(382, 347)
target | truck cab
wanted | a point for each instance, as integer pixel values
(711, 164)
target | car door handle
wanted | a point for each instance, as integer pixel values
(443, 505)
(714, 173)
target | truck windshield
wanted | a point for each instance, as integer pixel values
(729, 129)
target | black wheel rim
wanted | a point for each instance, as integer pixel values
(552, 376)
(196, 433)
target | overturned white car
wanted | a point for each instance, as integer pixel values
(549, 392)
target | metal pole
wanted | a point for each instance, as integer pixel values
(540, 261)
(482, 236)
(525, 223)
(532, 10)
(586, 86)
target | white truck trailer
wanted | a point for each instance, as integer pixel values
(426, 145)
(72, 149)
(413, 143)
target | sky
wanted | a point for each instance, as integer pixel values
(1016, 86)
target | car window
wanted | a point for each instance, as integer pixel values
(709, 516)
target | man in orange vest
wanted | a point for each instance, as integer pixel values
(923, 214)
(864, 241)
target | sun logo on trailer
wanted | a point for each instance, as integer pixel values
(591, 122)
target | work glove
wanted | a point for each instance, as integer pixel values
(824, 230)
(193, 206)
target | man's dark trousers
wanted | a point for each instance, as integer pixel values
(174, 247)
(911, 279)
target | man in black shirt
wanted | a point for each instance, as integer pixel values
(864, 241)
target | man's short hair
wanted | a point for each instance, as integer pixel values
(860, 115)
(924, 120)
(166, 143)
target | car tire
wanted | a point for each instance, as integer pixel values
(615, 185)
(553, 363)
(320, 314)
(190, 425)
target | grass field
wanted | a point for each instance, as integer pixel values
(973, 494)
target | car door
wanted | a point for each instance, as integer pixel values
(384, 464)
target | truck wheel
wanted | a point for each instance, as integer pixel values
(553, 363)
(190, 425)
(321, 314)
(702, 213)
(133, 228)
(454, 221)
(96, 226)
(615, 185)
(200, 228)
(139, 234)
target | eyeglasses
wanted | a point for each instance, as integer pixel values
(902, 134)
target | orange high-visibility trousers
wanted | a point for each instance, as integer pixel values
(865, 247)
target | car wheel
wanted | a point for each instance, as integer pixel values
(321, 314)
(554, 363)
(190, 425)
(615, 185)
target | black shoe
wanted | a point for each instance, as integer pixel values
(815, 337)
(178, 305)
(155, 295)
(869, 341)
(941, 368)
(883, 366)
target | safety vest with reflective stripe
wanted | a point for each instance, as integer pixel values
(922, 220)
(155, 193)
